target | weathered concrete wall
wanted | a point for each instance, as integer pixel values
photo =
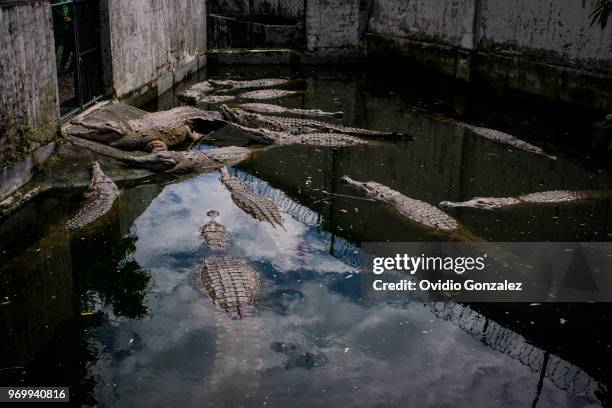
(549, 31)
(441, 21)
(547, 47)
(287, 9)
(335, 27)
(29, 111)
(154, 45)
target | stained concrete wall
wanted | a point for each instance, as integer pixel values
(441, 21)
(334, 27)
(29, 111)
(546, 47)
(288, 9)
(550, 31)
(154, 45)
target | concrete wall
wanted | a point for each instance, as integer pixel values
(335, 27)
(154, 44)
(288, 9)
(546, 47)
(29, 111)
(550, 31)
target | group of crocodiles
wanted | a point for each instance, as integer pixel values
(230, 282)
(156, 132)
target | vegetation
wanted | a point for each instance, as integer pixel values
(601, 11)
(603, 134)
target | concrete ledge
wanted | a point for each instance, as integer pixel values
(15, 176)
(284, 56)
(252, 57)
(554, 82)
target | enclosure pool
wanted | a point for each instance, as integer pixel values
(119, 315)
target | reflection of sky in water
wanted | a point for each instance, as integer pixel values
(345, 347)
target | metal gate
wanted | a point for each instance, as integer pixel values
(76, 25)
(250, 24)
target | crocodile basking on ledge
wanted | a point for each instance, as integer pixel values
(295, 126)
(314, 139)
(101, 196)
(544, 197)
(168, 160)
(275, 109)
(418, 211)
(186, 162)
(258, 207)
(169, 127)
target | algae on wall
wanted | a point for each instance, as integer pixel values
(29, 111)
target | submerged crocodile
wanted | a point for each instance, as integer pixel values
(169, 127)
(203, 91)
(196, 92)
(171, 161)
(254, 83)
(294, 125)
(101, 196)
(268, 94)
(275, 109)
(314, 139)
(507, 139)
(418, 211)
(217, 98)
(213, 232)
(544, 197)
(231, 284)
(258, 207)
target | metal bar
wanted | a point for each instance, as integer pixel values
(75, 29)
(89, 51)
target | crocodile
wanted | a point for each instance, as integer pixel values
(168, 160)
(217, 98)
(213, 232)
(231, 284)
(314, 139)
(275, 109)
(102, 193)
(507, 139)
(170, 127)
(258, 207)
(418, 211)
(196, 92)
(232, 84)
(186, 162)
(543, 197)
(499, 137)
(268, 94)
(296, 126)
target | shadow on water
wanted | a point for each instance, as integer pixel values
(116, 312)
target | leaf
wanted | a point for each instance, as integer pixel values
(601, 12)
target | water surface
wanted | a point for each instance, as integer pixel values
(118, 313)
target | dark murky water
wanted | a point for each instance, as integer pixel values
(117, 314)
